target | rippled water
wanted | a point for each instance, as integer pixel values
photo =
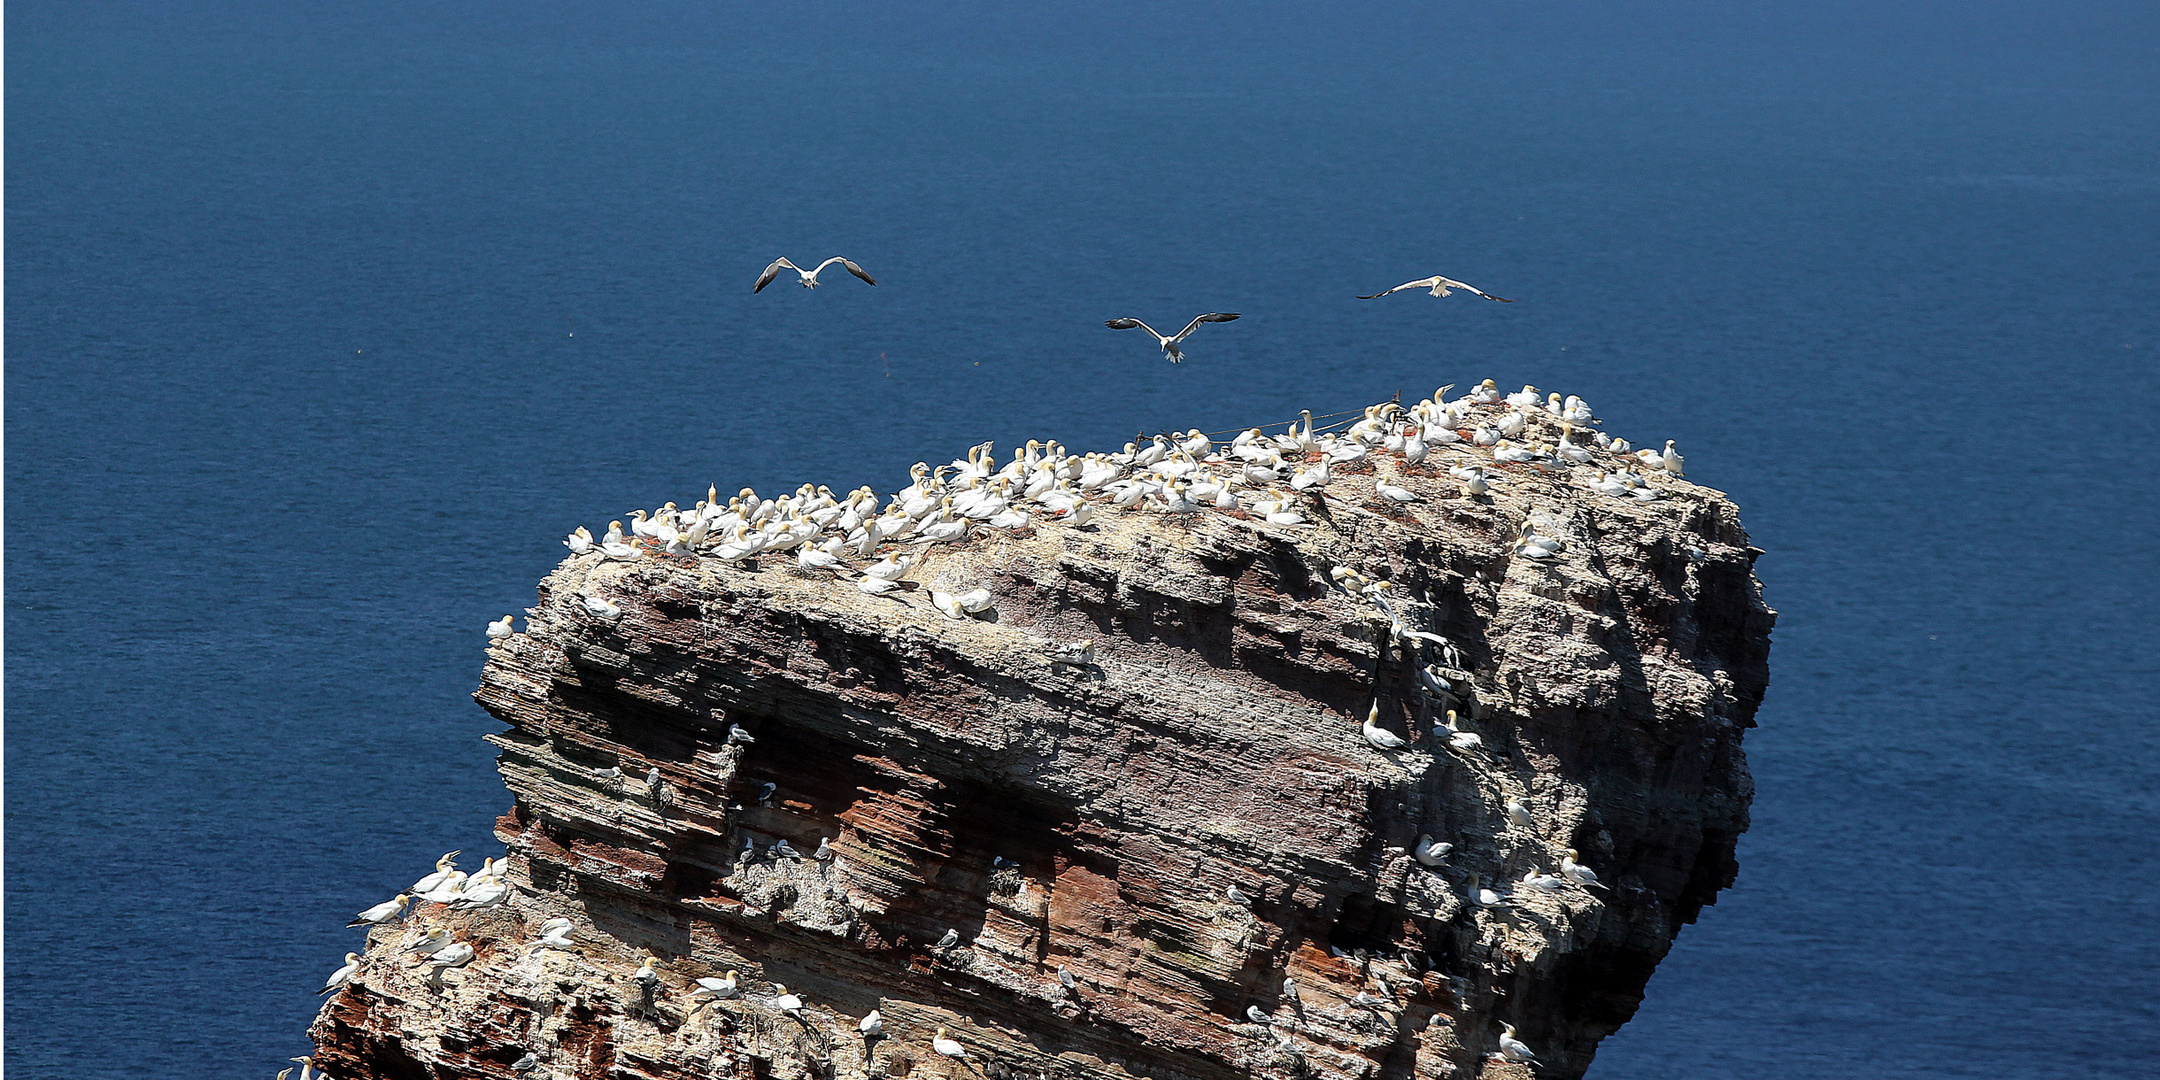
(323, 325)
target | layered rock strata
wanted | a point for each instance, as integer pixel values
(979, 778)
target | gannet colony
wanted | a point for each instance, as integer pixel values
(1397, 746)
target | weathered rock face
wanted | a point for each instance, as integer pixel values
(1092, 817)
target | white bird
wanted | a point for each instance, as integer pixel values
(1235, 895)
(500, 628)
(648, 972)
(1428, 853)
(872, 1025)
(342, 975)
(1465, 741)
(1577, 872)
(443, 868)
(483, 892)
(726, 986)
(1289, 991)
(1392, 493)
(1542, 882)
(555, 934)
(782, 1001)
(1253, 1013)
(1066, 979)
(1170, 344)
(599, 608)
(1439, 286)
(809, 277)
(1482, 896)
(380, 913)
(1512, 1048)
(1671, 460)
(1379, 737)
(944, 1044)
(436, 938)
(951, 938)
(580, 541)
(457, 954)
(812, 558)
(1518, 814)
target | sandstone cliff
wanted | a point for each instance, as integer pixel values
(978, 775)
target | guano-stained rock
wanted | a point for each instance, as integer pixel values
(1092, 817)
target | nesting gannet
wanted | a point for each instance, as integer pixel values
(809, 277)
(555, 934)
(500, 628)
(1519, 815)
(1379, 737)
(1428, 853)
(872, 1025)
(782, 1001)
(726, 986)
(1512, 1048)
(1459, 739)
(455, 954)
(1577, 872)
(1542, 882)
(1439, 286)
(342, 975)
(648, 972)
(381, 913)
(1394, 494)
(599, 608)
(443, 868)
(1170, 344)
(306, 1062)
(1482, 896)
(437, 937)
(944, 1044)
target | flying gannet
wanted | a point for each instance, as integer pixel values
(1170, 344)
(809, 277)
(1439, 286)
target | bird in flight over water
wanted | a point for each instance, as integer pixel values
(1438, 285)
(809, 277)
(1170, 344)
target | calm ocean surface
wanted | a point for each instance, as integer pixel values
(323, 326)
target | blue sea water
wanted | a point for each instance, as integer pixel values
(324, 322)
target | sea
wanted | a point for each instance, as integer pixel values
(325, 322)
